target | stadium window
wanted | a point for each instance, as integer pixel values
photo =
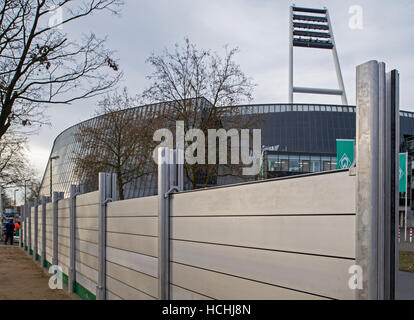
(326, 163)
(294, 163)
(315, 163)
(284, 162)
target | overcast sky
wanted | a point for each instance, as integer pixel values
(260, 29)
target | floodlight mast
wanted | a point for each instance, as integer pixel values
(304, 32)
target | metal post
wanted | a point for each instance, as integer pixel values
(36, 231)
(377, 182)
(163, 224)
(2, 211)
(290, 98)
(21, 243)
(51, 173)
(170, 178)
(45, 200)
(367, 177)
(25, 225)
(393, 105)
(107, 193)
(382, 156)
(56, 197)
(74, 192)
(100, 294)
(29, 227)
(50, 179)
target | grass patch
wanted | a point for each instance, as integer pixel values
(407, 261)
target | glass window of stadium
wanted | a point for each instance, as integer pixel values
(302, 163)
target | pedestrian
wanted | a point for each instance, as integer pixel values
(17, 228)
(9, 232)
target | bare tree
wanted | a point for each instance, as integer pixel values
(185, 76)
(32, 186)
(14, 165)
(120, 141)
(40, 65)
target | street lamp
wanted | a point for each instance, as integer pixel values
(15, 196)
(51, 161)
(25, 190)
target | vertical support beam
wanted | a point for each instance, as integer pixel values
(25, 226)
(290, 98)
(367, 177)
(100, 290)
(21, 238)
(36, 230)
(56, 197)
(107, 193)
(382, 160)
(72, 239)
(377, 180)
(29, 227)
(163, 224)
(2, 212)
(180, 169)
(336, 62)
(393, 110)
(74, 192)
(170, 178)
(45, 200)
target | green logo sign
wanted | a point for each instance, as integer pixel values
(403, 172)
(344, 153)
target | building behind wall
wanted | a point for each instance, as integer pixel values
(408, 146)
(296, 139)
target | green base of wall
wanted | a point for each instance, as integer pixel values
(25, 248)
(31, 252)
(83, 293)
(65, 279)
(37, 257)
(77, 288)
(47, 264)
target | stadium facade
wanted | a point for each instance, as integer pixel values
(296, 139)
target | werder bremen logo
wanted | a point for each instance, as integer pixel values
(345, 162)
(401, 173)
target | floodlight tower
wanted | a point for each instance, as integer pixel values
(311, 28)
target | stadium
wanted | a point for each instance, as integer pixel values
(296, 138)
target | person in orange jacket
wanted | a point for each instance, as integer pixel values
(17, 228)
